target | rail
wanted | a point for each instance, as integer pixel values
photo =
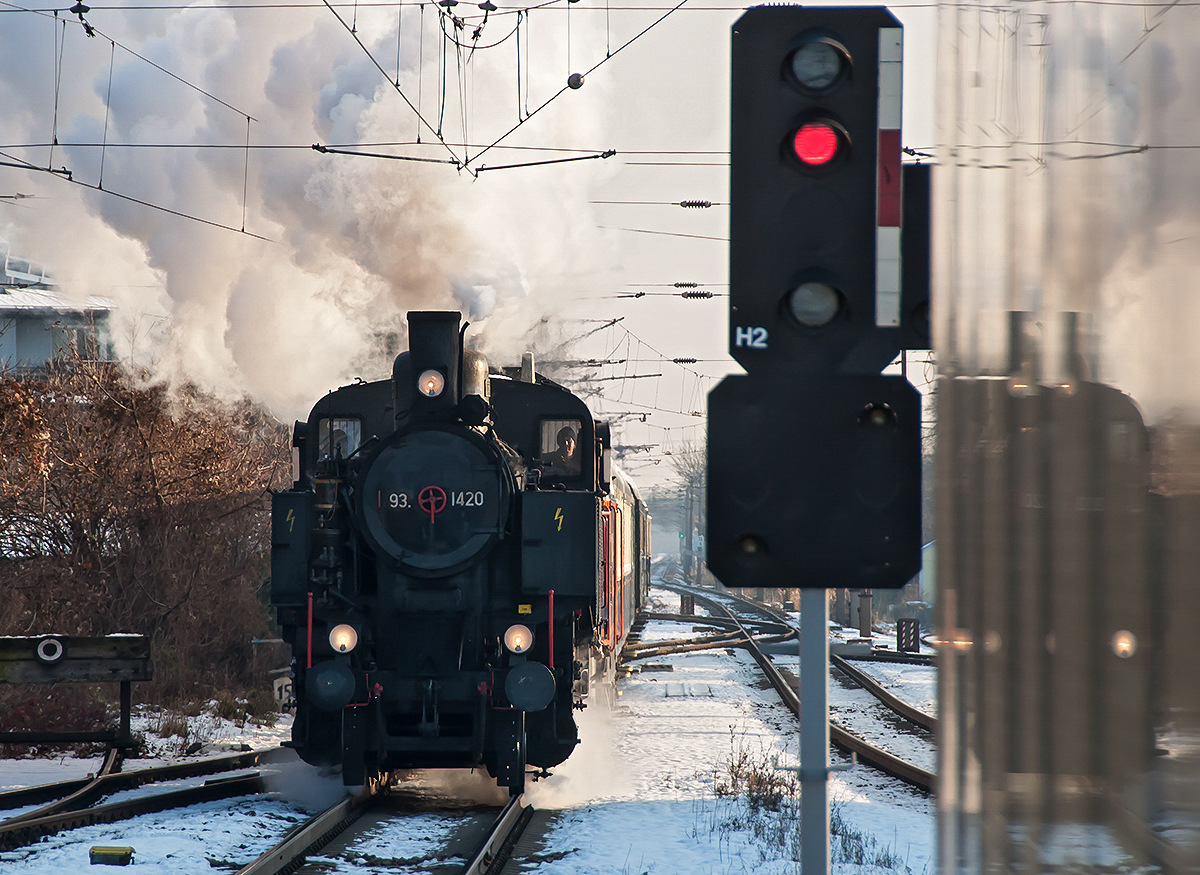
(77, 794)
(25, 832)
(842, 738)
(289, 854)
(493, 852)
(909, 712)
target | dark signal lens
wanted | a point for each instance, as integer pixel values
(819, 65)
(815, 144)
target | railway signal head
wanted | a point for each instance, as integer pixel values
(818, 275)
(815, 190)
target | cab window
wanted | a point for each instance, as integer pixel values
(339, 437)
(560, 452)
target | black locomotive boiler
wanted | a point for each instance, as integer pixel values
(457, 562)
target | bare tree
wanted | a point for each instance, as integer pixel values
(126, 507)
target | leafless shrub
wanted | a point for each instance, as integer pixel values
(128, 507)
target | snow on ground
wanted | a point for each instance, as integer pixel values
(26, 772)
(192, 840)
(638, 796)
(862, 714)
(915, 684)
(212, 733)
(216, 736)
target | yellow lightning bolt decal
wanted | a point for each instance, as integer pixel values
(558, 515)
(291, 518)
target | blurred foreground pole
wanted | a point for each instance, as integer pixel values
(1068, 442)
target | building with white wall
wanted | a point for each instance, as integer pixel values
(38, 323)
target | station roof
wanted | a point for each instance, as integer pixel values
(34, 301)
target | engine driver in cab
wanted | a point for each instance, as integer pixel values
(565, 459)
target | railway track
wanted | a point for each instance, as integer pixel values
(485, 848)
(735, 635)
(342, 822)
(290, 852)
(841, 737)
(72, 804)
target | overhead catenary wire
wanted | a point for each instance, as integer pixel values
(68, 176)
(606, 154)
(691, 295)
(285, 146)
(421, 118)
(512, 10)
(692, 204)
(620, 377)
(664, 233)
(53, 13)
(317, 147)
(585, 74)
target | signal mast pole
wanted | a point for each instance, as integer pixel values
(814, 731)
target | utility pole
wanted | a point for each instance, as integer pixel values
(688, 507)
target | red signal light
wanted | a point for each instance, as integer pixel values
(815, 144)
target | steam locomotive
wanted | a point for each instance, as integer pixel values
(457, 563)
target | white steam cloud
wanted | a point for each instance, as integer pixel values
(355, 241)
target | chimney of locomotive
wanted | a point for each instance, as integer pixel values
(435, 354)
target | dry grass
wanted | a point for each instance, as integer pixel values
(755, 797)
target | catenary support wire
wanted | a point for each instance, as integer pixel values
(586, 73)
(246, 174)
(112, 52)
(59, 48)
(67, 175)
(388, 78)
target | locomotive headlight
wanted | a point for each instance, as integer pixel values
(518, 638)
(431, 383)
(343, 638)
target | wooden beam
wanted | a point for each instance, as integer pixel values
(113, 658)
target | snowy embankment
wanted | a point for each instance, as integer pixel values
(191, 840)
(641, 793)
